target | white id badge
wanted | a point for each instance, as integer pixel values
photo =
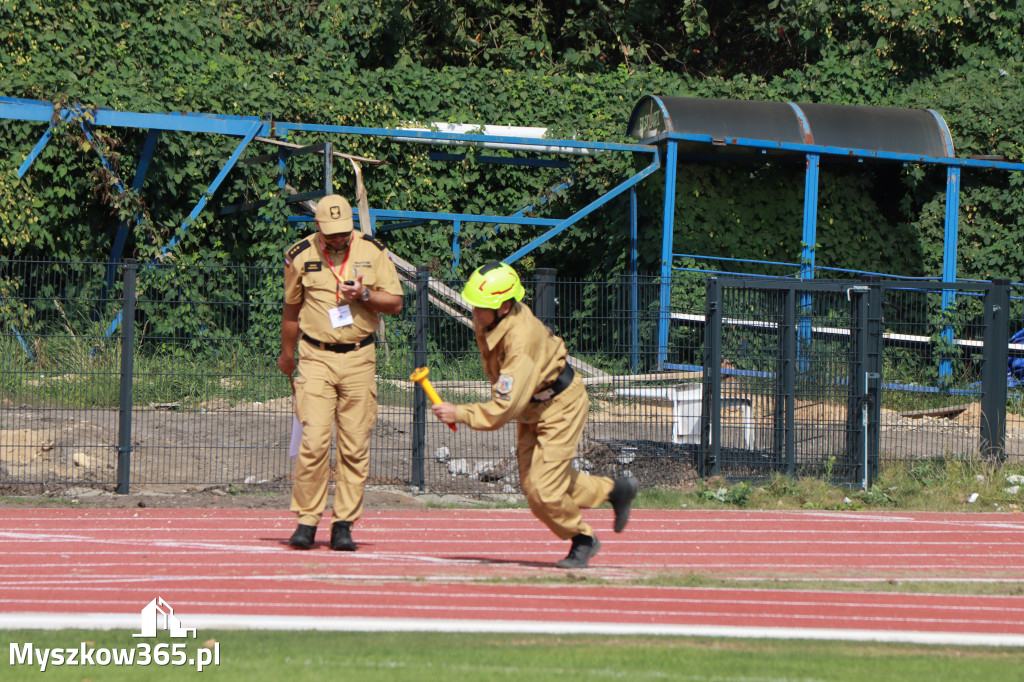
(341, 316)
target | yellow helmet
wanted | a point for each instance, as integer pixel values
(492, 284)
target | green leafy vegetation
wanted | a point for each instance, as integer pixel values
(577, 69)
(429, 657)
(961, 484)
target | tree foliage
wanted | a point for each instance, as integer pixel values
(575, 66)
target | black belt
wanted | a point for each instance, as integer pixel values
(337, 347)
(559, 385)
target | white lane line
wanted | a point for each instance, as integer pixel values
(113, 621)
(485, 536)
(1008, 557)
(609, 573)
(811, 600)
(698, 521)
(991, 553)
(531, 561)
(623, 616)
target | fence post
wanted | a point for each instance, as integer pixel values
(710, 425)
(124, 426)
(993, 371)
(876, 356)
(784, 441)
(545, 296)
(855, 455)
(863, 383)
(419, 401)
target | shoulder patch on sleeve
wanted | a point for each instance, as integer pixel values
(373, 241)
(504, 385)
(298, 248)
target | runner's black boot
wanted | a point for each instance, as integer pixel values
(621, 497)
(583, 548)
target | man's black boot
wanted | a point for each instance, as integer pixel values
(583, 548)
(341, 537)
(621, 497)
(303, 536)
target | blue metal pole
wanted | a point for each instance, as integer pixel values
(422, 216)
(40, 145)
(145, 158)
(810, 239)
(282, 166)
(456, 250)
(667, 234)
(544, 199)
(568, 222)
(810, 234)
(254, 129)
(949, 249)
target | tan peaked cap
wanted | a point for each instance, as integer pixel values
(334, 215)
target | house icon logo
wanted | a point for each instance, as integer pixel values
(159, 615)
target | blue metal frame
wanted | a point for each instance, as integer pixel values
(249, 127)
(949, 248)
(667, 144)
(667, 234)
(562, 225)
(145, 158)
(810, 242)
(814, 154)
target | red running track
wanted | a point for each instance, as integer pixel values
(448, 570)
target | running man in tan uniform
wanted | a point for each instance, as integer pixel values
(336, 282)
(533, 383)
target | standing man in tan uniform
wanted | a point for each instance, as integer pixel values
(533, 383)
(336, 282)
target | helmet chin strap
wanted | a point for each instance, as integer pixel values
(498, 317)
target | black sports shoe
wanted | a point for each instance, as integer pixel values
(302, 538)
(621, 497)
(583, 548)
(341, 537)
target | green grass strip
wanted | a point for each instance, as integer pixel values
(435, 657)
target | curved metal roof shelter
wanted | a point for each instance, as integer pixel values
(700, 129)
(724, 124)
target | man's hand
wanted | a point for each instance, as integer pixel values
(352, 291)
(445, 412)
(286, 363)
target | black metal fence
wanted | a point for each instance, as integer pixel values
(190, 395)
(813, 363)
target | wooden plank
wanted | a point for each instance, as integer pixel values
(446, 296)
(949, 411)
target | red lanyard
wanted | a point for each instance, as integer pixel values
(341, 271)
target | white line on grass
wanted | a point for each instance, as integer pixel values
(116, 621)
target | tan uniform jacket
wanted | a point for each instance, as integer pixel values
(308, 280)
(521, 357)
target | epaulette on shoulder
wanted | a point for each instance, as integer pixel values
(373, 241)
(298, 248)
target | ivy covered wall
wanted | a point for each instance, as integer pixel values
(577, 67)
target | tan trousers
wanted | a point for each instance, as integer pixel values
(333, 390)
(555, 491)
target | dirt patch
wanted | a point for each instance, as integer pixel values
(173, 497)
(235, 456)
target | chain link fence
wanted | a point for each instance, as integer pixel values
(189, 394)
